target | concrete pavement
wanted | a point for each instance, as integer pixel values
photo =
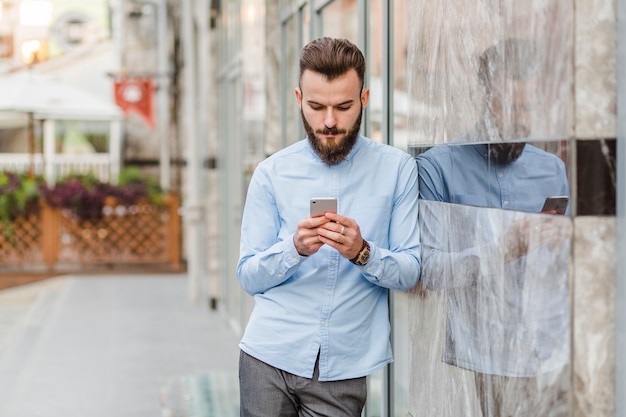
(116, 345)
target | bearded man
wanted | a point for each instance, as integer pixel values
(320, 322)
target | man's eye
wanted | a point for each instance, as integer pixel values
(317, 107)
(343, 108)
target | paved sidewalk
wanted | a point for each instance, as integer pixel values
(118, 345)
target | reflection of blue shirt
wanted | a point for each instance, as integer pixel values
(503, 317)
(461, 174)
(323, 303)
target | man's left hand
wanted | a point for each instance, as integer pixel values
(342, 233)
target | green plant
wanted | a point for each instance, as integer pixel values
(133, 175)
(19, 196)
(82, 194)
(85, 196)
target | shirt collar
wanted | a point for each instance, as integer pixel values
(355, 148)
(482, 149)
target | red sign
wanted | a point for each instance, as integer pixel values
(135, 95)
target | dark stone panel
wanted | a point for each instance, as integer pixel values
(596, 177)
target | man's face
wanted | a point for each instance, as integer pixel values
(331, 112)
(511, 110)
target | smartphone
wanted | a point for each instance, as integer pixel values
(320, 205)
(558, 203)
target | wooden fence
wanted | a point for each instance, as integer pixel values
(53, 239)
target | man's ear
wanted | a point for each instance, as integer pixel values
(298, 93)
(365, 97)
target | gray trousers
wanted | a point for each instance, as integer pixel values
(266, 391)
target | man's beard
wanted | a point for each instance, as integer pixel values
(330, 152)
(505, 153)
(500, 152)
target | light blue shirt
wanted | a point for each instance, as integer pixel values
(461, 174)
(323, 303)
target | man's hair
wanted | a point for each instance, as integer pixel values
(515, 59)
(332, 58)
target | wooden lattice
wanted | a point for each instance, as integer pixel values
(139, 234)
(21, 241)
(124, 235)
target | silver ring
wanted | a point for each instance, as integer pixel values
(343, 230)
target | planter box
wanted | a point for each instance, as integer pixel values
(141, 234)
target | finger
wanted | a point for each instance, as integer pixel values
(336, 228)
(338, 218)
(314, 222)
(340, 247)
(333, 235)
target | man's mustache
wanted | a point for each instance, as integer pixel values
(331, 131)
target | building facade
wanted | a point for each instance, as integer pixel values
(422, 62)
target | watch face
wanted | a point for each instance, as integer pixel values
(364, 256)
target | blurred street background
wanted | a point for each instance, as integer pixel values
(114, 345)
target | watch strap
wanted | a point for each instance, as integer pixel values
(356, 260)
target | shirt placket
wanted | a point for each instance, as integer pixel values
(505, 193)
(331, 280)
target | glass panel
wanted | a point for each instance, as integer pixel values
(375, 58)
(340, 20)
(306, 24)
(402, 322)
(375, 406)
(232, 27)
(402, 21)
(253, 66)
(401, 300)
(291, 57)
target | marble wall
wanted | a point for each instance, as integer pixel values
(593, 353)
(594, 81)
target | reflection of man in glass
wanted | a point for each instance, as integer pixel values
(505, 272)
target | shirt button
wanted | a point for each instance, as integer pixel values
(323, 322)
(500, 174)
(329, 292)
(505, 203)
(334, 262)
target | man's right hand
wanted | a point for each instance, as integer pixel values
(526, 234)
(306, 239)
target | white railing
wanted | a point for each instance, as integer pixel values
(20, 162)
(98, 164)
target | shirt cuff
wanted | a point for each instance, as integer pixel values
(292, 257)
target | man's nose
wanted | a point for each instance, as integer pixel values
(330, 120)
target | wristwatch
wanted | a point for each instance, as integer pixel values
(363, 256)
